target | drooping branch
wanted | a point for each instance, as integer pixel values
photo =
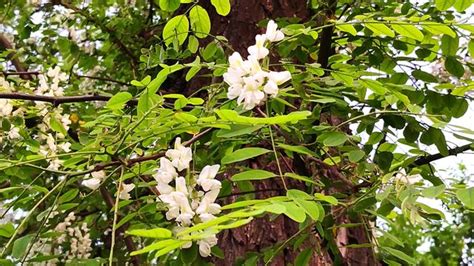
(433, 157)
(57, 100)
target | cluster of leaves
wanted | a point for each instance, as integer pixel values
(142, 56)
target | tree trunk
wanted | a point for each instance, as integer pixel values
(240, 28)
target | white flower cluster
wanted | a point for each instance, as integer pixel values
(247, 81)
(186, 203)
(78, 237)
(49, 83)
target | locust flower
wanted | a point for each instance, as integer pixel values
(273, 34)
(5, 107)
(207, 177)
(259, 50)
(180, 156)
(94, 182)
(124, 191)
(206, 244)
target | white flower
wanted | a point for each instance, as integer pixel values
(5, 107)
(207, 205)
(408, 179)
(164, 188)
(271, 88)
(273, 34)
(179, 207)
(180, 156)
(55, 164)
(124, 191)
(14, 133)
(251, 94)
(166, 173)
(279, 77)
(66, 146)
(234, 91)
(181, 185)
(206, 244)
(259, 50)
(99, 174)
(92, 183)
(206, 178)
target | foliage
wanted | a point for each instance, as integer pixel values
(86, 131)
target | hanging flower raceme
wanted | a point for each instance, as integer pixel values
(189, 200)
(247, 81)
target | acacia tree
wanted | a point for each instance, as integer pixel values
(197, 132)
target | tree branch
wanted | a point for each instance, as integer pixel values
(5, 43)
(106, 29)
(60, 100)
(133, 161)
(433, 157)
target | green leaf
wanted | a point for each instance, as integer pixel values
(454, 67)
(310, 207)
(154, 246)
(298, 194)
(449, 45)
(438, 29)
(356, 155)
(243, 154)
(424, 76)
(304, 257)
(233, 116)
(176, 27)
(294, 212)
(57, 126)
(433, 192)
(193, 44)
(329, 199)
(297, 149)
(222, 6)
(253, 175)
(399, 254)
(379, 28)
(169, 5)
(237, 130)
(443, 5)
(466, 196)
(461, 5)
(68, 196)
(331, 139)
(20, 245)
(155, 84)
(118, 101)
(7, 230)
(200, 22)
(152, 233)
(302, 178)
(343, 77)
(470, 47)
(347, 28)
(194, 69)
(409, 31)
